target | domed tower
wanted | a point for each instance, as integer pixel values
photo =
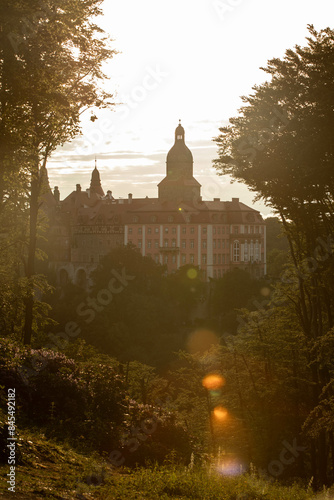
(179, 158)
(95, 183)
(179, 183)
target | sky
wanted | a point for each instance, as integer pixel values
(187, 59)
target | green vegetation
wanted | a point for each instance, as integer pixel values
(157, 391)
(51, 470)
(280, 146)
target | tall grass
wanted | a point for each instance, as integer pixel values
(179, 483)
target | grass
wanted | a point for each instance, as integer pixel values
(49, 470)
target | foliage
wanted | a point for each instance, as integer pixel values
(282, 138)
(139, 323)
(51, 59)
(68, 399)
(86, 402)
(50, 469)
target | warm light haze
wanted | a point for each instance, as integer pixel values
(188, 60)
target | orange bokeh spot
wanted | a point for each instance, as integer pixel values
(220, 413)
(201, 340)
(213, 381)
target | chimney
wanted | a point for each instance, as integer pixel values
(56, 194)
(130, 198)
(78, 188)
(218, 199)
(109, 194)
(235, 200)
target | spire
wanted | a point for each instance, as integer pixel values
(95, 183)
(179, 133)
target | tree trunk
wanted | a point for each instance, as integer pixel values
(30, 268)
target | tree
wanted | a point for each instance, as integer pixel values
(135, 319)
(51, 57)
(282, 147)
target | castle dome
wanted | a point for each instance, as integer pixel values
(179, 153)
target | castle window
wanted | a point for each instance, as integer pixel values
(192, 259)
(140, 230)
(204, 230)
(156, 258)
(166, 229)
(203, 243)
(166, 259)
(156, 244)
(173, 243)
(149, 243)
(156, 230)
(257, 250)
(183, 243)
(236, 230)
(183, 258)
(174, 259)
(170, 218)
(166, 243)
(246, 256)
(153, 218)
(192, 243)
(214, 243)
(139, 243)
(174, 230)
(236, 251)
(130, 230)
(204, 258)
(149, 230)
(192, 230)
(184, 230)
(135, 219)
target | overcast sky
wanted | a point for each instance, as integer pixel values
(179, 59)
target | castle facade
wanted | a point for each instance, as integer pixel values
(175, 229)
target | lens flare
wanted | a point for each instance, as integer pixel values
(230, 467)
(192, 273)
(201, 340)
(213, 381)
(220, 413)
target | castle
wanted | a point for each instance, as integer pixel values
(174, 229)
